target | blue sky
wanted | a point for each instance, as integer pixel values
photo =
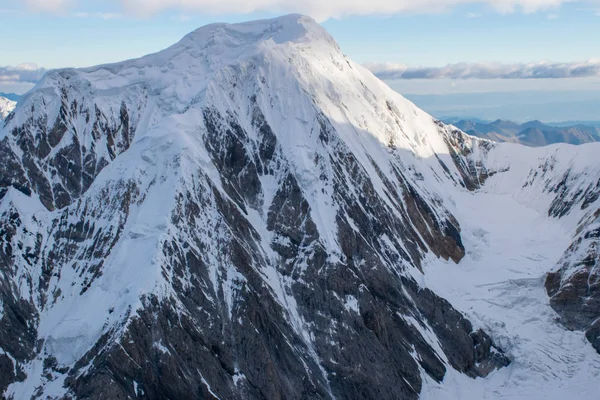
(471, 34)
(401, 33)
(89, 34)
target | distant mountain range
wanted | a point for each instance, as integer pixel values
(532, 133)
(513, 106)
(11, 96)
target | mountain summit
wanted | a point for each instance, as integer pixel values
(251, 215)
(6, 107)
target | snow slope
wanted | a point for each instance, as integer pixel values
(516, 229)
(500, 286)
(255, 161)
(6, 107)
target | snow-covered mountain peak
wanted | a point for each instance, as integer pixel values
(212, 62)
(217, 45)
(178, 76)
(6, 107)
(292, 28)
(253, 199)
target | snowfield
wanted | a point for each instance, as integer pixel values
(500, 286)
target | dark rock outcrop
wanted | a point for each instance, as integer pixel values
(574, 288)
(355, 324)
(58, 157)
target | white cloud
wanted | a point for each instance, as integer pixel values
(182, 18)
(31, 73)
(48, 5)
(390, 71)
(319, 9)
(336, 8)
(101, 15)
(24, 73)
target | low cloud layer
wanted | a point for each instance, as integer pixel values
(389, 71)
(31, 73)
(101, 15)
(24, 73)
(317, 8)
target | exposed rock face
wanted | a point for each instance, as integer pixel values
(54, 150)
(345, 328)
(574, 289)
(473, 170)
(18, 334)
(59, 146)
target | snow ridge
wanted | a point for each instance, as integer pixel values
(6, 107)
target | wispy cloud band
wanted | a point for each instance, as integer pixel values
(101, 15)
(317, 8)
(31, 73)
(24, 73)
(547, 70)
